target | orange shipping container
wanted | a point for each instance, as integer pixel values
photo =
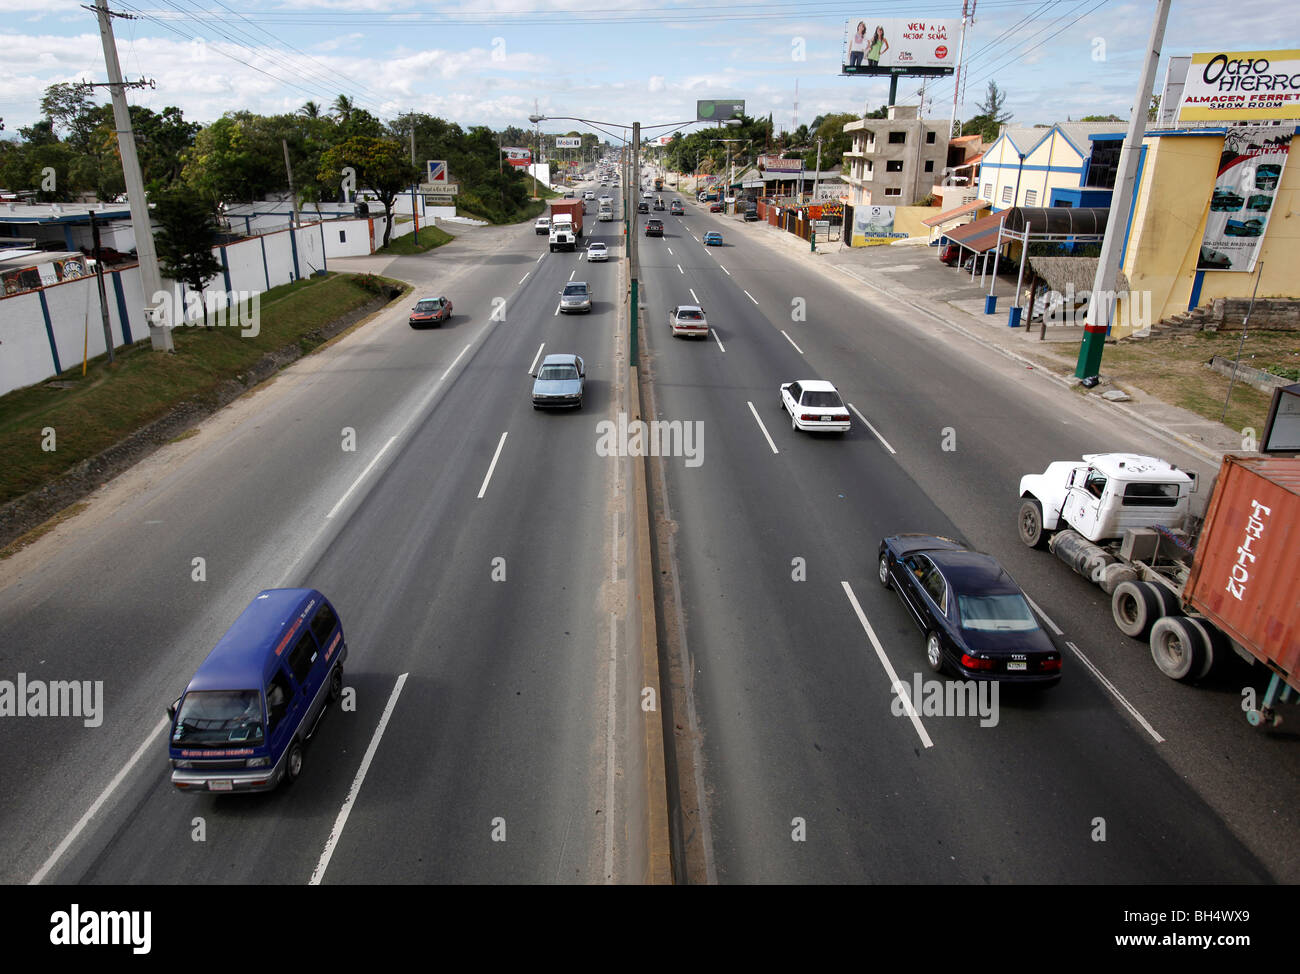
(1246, 574)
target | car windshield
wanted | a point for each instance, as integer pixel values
(428, 304)
(995, 613)
(214, 718)
(556, 373)
(597, 247)
(811, 398)
(575, 290)
(691, 315)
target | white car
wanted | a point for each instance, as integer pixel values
(543, 225)
(814, 406)
(688, 319)
(606, 199)
(597, 251)
(647, 195)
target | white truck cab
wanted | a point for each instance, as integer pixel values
(562, 233)
(1103, 496)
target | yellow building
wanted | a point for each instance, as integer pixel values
(1176, 177)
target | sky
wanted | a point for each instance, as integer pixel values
(489, 62)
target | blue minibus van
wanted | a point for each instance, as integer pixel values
(242, 722)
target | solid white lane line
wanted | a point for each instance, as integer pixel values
(763, 428)
(369, 466)
(500, 443)
(335, 833)
(680, 271)
(898, 686)
(717, 339)
(532, 367)
(864, 419)
(751, 297)
(791, 341)
(98, 803)
(539, 258)
(1115, 693)
(693, 297)
(611, 747)
(522, 279)
(453, 363)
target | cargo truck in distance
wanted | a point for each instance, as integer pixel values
(1124, 522)
(566, 224)
(659, 184)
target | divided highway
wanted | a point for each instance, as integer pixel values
(812, 774)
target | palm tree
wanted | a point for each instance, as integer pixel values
(342, 109)
(310, 110)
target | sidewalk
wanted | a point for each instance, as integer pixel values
(912, 275)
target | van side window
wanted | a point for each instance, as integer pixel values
(302, 656)
(324, 624)
(277, 700)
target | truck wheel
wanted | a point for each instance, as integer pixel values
(1217, 645)
(1178, 647)
(336, 683)
(1169, 604)
(1031, 523)
(1135, 608)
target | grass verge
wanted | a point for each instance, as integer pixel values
(1174, 370)
(47, 428)
(430, 237)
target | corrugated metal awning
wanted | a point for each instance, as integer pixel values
(1058, 219)
(953, 214)
(979, 236)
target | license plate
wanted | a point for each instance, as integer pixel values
(1015, 665)
(221, 785)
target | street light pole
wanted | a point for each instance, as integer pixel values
(632, 250)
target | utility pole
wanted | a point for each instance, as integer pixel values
(160, 336)
(103, 297)
(956, 80)
(293, 196)
(633, 250)
(1101, 303)
(415, 214)
(818, 174)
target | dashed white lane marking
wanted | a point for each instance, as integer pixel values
(898, 686)
(791, 341)
(496, 456)
(763, 428)
(864, 419)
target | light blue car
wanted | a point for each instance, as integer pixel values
(713, 239)
(558, 381)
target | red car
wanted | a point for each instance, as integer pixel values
(948, 255)
(715, 207)
(430, 311)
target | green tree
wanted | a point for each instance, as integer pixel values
(381, 166)
(187, 229)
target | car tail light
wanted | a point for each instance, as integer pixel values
(809, 417)
(1051, 665)
(976, 662)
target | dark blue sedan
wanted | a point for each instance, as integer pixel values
(977, 622)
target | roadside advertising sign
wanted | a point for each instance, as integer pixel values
(1241, 86)
(568, 142)
(874, 46)
(873, 225)
(1250, 171)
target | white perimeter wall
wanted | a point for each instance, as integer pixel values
(28, 320)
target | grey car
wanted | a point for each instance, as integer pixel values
(558, 381)
(576, 296)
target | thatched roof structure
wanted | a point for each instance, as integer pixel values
(1057, 272)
